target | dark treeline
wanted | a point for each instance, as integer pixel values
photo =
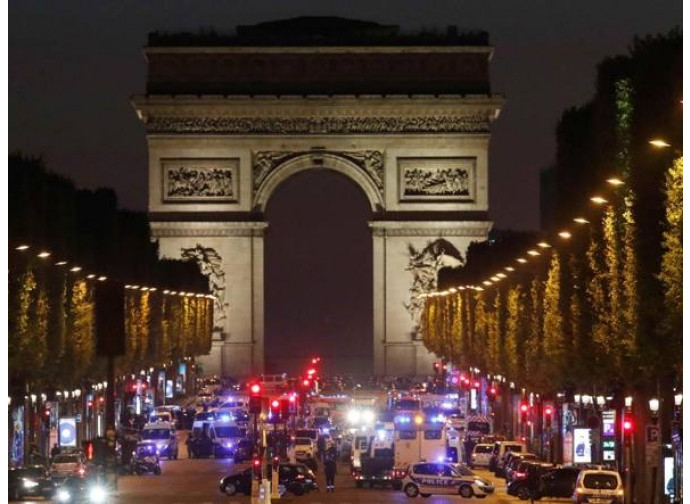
(603, 308)
(53, 334)
(86, 228)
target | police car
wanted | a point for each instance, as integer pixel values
(441, 478)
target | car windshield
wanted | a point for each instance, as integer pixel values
(155, 434)
(302, 441)
(66, 459)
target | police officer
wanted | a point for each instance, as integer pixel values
(330, 459)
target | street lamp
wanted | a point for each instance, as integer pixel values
(659, 143)
(678, 399)
(654, 405)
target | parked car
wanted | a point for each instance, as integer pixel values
(32, 481)
(295, 478)
(598, 485)
(501, 449)
(481, 454)
(544, 481)
(65, 465)
(243, 450)
(512, 462)
(304, 448)
(429, 478)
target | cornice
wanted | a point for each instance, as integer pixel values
(208, 229)
(401, 49)
(431, 228)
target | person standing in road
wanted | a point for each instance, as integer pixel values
(190, 448)
(321, 447)
(330, 459)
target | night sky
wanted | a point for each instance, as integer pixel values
(74, 65)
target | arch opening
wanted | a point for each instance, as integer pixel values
(316, 303)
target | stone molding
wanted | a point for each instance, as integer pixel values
(430, 228)
(476, 123)
(370, 161)
(207, 229)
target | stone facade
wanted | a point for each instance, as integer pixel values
(215, 161)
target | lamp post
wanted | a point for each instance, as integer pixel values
(677, 443)
(626, 432)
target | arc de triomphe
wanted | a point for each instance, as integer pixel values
(407, 118)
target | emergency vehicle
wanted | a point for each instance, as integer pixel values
(434, 478)
(418, 438)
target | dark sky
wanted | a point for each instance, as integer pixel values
(73, 66)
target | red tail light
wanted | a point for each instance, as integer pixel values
(519, 475)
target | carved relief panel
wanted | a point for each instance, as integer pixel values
(200, 180)
(437, 179)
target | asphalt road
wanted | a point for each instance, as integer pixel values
(186, 481)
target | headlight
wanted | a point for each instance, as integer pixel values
(97, 494)
(62, 495)
(353, 416)
(30, 484)
(479, 482)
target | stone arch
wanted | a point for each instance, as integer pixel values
(315, 161)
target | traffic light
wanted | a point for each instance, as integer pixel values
(628, 428)
(491, 392)
(285, 407)
(548, 415)
(256, 467)
(255, 399)
(46, 416)
(275, 409)
(524, 408)
(88, 449)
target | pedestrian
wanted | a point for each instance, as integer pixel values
(330, 460)
(54, 450)
(190, 447)
(321, 447)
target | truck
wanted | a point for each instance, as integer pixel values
(376, 460)
(418, 438)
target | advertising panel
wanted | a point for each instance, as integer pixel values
(68, 431)
(582, 449)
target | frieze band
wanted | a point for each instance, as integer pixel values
(319, 125)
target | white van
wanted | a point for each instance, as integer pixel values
(481, 455)
(225, 436)
(501, 448)
(165, 437)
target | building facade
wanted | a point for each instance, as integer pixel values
(406, 117)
